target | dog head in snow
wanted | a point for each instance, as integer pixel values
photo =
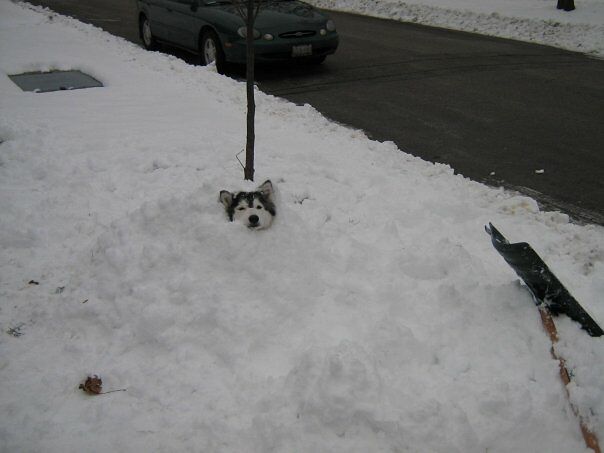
(254, 209)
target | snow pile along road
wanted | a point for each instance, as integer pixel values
(537, 21)
(374, 315)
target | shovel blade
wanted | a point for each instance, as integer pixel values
(542, 283)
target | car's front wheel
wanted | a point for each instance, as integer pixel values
(146, 35)
(210, 50)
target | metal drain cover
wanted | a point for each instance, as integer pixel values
(43, 82)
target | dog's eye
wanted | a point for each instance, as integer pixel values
(258, 207)
(241, 208)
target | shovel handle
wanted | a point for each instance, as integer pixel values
(591, 440)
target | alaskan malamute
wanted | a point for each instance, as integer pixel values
(254, 209)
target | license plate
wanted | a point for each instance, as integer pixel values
(302, 51)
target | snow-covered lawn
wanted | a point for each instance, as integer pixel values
(537, 21)
(373, 316)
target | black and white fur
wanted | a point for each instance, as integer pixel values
(255, 210)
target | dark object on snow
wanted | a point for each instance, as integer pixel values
(94, 386)
(543, 284)
(15, 331)
(566, 5)
(43, 82)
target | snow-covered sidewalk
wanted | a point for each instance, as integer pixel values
(537, 21)
(373, 316)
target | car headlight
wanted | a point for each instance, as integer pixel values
(330, 25)
(268, 37)
(242, 31)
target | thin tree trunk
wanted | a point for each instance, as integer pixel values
(251, 105)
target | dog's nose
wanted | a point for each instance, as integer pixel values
(253, 219)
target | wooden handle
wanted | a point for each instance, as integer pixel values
(590, 438)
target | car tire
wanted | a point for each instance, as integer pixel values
(210, 50)
(149, 41)
(317, 60)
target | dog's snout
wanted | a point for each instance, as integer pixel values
(253, 219)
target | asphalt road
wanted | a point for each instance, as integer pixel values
(507, 113)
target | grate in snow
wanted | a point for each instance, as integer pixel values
(42, 82)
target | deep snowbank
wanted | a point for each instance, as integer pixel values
(373, 316)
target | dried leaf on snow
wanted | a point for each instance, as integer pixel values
(93, 385)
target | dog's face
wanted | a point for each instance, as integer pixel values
(254, 209)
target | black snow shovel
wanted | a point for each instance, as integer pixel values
(543, 284)
(551, 297)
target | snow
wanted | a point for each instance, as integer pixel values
(374, 315)
(537, 21)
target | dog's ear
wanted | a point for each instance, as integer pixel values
(266, 189)
(226, 198)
